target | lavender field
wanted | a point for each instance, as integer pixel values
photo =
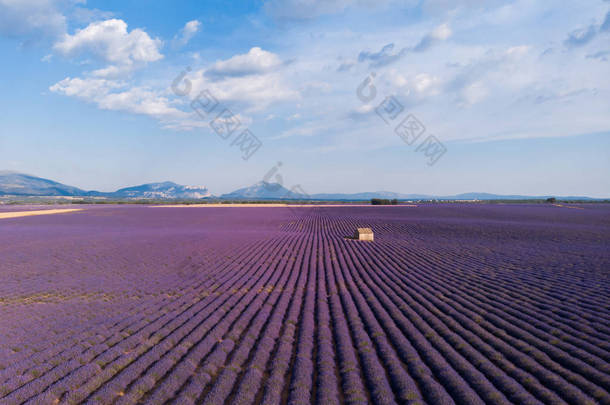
(451, 304)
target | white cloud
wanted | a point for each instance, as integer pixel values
(84, 88)
(518, 51)
(440, 33)
(425, 83)
(160, 104)
(396, 79)
(31, 19)
(111, 71)
(487, 81)
(186, 33)
(361, 112)
(111, 42)
(254, 92)
(119, 96)
(256, 61)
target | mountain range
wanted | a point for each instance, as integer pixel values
(24, 185)
(274, 191)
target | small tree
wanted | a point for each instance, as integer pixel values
(551, 200)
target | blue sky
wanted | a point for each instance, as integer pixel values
(515, 94)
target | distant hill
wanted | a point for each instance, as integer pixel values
(487, 196)
(159, 191)
(457, 197)
(19, 184)
(263, 191)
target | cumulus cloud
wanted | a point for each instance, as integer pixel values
(186, 33)
(253, 92)
(256, 61)
(253, 80)
(31, 19)
(119, 96)
(113, 71)
(84, 88)
(469, 81)
(156, 103)
(111, 42)
(249, 84)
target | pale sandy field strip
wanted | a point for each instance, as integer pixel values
(567, 206)
(18, 214)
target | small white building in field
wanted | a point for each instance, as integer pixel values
(364, 234)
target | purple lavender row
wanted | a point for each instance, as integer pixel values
(301, 379)
(527, 298)
(253, 366)
(404, 386)
(492, 384)
(262, 334)
(207, 332)
(522, 361)
(155, 328)
(573, 378)
(119, 324)
(249, 324)
(284, 354)
(374, 373)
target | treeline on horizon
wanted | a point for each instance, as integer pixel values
(383, 201)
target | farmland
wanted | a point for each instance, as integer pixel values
(452, 303)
